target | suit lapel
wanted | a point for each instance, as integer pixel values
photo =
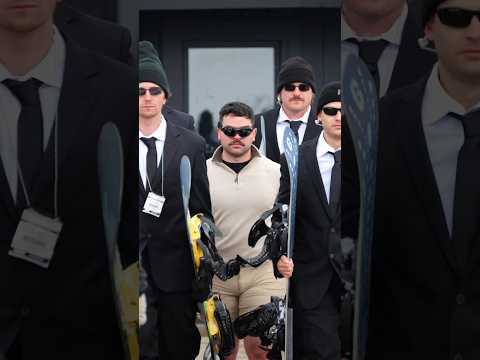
(141, 187)
(77, 90)
(312, 129)
(5, 193)
(312, 164)
(169, 150)
(73, 113)
(414, 146)
(271, 134)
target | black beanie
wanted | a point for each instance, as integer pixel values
(150, 68)
(330, 92)
(295, 69)
(429, 8)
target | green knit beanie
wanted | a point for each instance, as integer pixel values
(150, 68)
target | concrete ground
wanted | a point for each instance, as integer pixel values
(241, 354)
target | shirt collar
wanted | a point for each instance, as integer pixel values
(323, 147)
(160, 133)
(437, 103)
(50, 70)
(393, 35)
(283, 117)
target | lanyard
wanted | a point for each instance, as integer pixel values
(149, 183)
(55, 192)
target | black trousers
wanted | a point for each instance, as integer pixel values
(148, 332)
(178, 336)
(68, 342)
(316, 331)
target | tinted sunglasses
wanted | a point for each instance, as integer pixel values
(154, 91)
(292, 87)
(457, 17)
(331, 111)
(231, 131)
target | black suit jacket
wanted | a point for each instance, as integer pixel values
(271, 117)
(95, 34)
(424, 302)
(410, 53)
(72, 300)
(316, 229)
(168, 257)
(179, 118)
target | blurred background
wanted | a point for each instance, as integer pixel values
(216, 51)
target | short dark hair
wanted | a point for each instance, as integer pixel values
(238, 109)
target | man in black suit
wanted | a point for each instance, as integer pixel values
(179, 117)
(316, 287)
(385, 35)
(425, 300)
(95, 34)
(167, 258)
(176, 117)
(295, 93)
(55, 97)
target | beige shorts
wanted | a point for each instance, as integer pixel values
(248, 290)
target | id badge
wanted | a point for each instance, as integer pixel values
(35, 238)
(154, 204)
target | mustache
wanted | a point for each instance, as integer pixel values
(237, 143)
(296, 98)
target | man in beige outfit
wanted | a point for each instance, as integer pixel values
(243, 185)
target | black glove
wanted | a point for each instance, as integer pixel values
(228, 270)
(233, 267)
(202, 284)
(279, 234)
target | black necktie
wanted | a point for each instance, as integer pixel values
(151, 160)
(370, 51)
(295, 125)
(335, 181)
(466, 208)
(30, 131)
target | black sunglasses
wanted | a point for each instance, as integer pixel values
(154, 91)
(457, 17)
(292, 87)
(331, 111)
(231, 131)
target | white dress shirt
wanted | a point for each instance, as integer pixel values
(160, 134)
(50, 71)
(325, 162)
(283, 122)
(444, 136)
(387, 60)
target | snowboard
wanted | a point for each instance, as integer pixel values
(290, 144)
(360, 100)
(124, 281)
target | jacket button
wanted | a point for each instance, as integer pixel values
(458, 357)
(460, 300)
(332, 230)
